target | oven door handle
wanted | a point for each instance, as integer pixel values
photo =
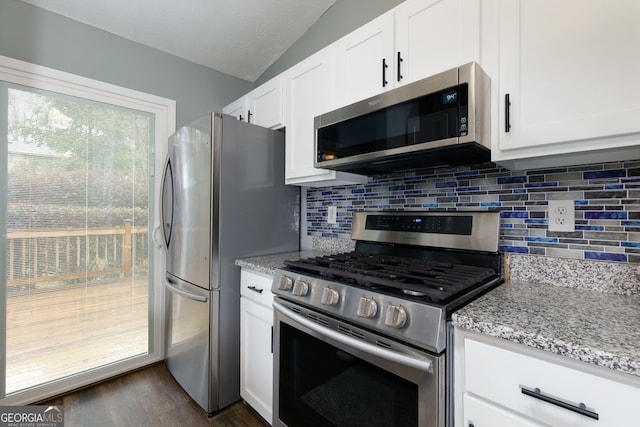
(354, 343)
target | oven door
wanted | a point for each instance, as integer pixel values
(330, 373)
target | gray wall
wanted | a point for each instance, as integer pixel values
(40, 37)
(341, 18)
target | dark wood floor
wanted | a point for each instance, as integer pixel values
(148, 397)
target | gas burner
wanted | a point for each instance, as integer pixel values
(434, 280)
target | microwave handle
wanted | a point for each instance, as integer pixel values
(360, 345)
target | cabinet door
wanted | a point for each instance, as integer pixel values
(309, 93)
(265, 104)
(237, 108)
(256, 357)
(365, 61)
(570, 69)
(436, 35)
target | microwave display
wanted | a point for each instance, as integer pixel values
(433, 117)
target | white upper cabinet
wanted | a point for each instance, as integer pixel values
(569, 71)
(309, 92)
(262, 106)
(365, 61)
(432, 36)
(417, 39)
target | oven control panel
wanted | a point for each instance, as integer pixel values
(420, 324)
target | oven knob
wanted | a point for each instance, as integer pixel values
(330, 296)
(396, 316)
(300, 288)
(285, 282)
(367, 308)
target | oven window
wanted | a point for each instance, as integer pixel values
(320, 385)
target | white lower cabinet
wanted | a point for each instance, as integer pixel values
(503, 383)
(256, 353)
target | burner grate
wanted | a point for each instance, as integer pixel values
(437, 281)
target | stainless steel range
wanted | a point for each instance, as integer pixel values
(361, 338)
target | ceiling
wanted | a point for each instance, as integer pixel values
(237, 37)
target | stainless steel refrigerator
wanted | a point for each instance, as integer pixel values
(223, 198)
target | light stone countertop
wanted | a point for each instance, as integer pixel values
(267, 264)
(582, 318)
(591, 326)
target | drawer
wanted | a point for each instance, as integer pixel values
(480, 413)
(256, 286)
(499, 375)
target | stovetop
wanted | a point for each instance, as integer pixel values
(426, 280)
(408, 273)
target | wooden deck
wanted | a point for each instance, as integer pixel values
(58, 331)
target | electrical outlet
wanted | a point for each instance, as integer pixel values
(561, 215)
(332, 212)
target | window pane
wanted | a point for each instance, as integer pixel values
(77, 235)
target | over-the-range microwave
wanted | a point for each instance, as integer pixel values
(440, 120)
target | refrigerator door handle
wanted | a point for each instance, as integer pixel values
(185, 294)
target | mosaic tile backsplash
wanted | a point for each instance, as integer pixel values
(606, 198)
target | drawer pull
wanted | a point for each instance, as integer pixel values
(254, 289)
(581, 408)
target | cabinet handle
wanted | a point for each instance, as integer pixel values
(272, 340)
(581, 408)
(254, 289)
(507, 115)
(249, 114)
(399, 62)
(384, 72)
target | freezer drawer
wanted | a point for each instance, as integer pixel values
(188, 338)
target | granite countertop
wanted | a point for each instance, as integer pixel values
(590, 326)
(267, 264)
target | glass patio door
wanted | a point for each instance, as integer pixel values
(78, 196)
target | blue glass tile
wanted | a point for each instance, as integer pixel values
(581, 202)
(384, 206)
(514, 214)
(519, 190)
(614, 187)
(409, 192)
(429, 205)
(536, 221)
(452, 194)
(490, 203)
(512, 180)
(326, 193)
(590, 227)
(506, 225)
(611, 173)
(541, 184)
(605, 256)
(605, 215)
(515, 249)
(630, 244)
(541, 239)
(357, 190)
(325, 234)
(630, 223)
(412, 178)
(467, 173)
(468, 189)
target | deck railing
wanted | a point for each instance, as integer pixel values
(63, 255)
